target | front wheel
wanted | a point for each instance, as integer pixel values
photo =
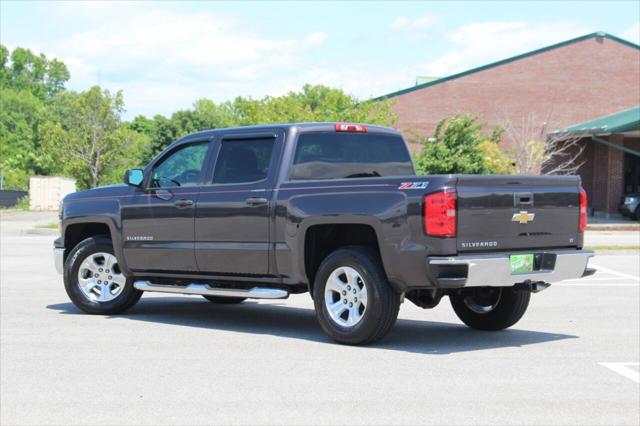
(490, 308)
(94, 281)
(353, 300)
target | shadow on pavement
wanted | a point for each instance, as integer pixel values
(425, 337)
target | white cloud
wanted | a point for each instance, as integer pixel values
(632, 33)
(316, 39)
(164, 60)
(401, 23)
(485, 42)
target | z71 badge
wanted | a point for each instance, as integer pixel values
(413, 185)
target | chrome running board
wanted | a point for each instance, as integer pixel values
(206, 290)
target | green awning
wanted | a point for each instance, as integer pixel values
(619, 122)
(625, 122)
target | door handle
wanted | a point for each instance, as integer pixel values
(257, 201)
(183, 203)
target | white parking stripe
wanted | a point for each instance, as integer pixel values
(601, 279)
(611, 271)
(623, 368)
(592, 284)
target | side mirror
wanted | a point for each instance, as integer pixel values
(134, 177)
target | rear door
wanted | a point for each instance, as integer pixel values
(232, 216)
(513, 212)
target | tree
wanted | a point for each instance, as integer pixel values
(21, 115)
(89, 139)
(312, 103)
(536, 151)
(494, 159)
(35, 73)
(27, 84)
(459, 145)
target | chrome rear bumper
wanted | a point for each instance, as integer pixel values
(492, 270)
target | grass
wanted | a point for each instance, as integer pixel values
(53, 225)
(613, 248)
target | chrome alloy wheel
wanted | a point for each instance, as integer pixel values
(485, 301)
(100, 278)
(345, 296)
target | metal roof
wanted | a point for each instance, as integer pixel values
(599, 34)
(619, 122)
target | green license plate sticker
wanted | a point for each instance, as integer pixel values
(521, 263)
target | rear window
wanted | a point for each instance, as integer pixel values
(333, 155)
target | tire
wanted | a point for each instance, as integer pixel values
(367, 320)
(490, 308)
(225, 300)
(638, 213)
(92, 296)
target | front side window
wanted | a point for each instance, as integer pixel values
(180, 168)
(334, 155)
(242, 161)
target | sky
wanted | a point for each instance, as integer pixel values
(165, 55)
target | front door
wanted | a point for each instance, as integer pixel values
(232, 215)
(157, 221)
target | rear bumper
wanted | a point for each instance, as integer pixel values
(492, 270)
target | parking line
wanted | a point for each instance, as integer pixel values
(623, 368)
(611, 271)
(601, 279)
(591, 284)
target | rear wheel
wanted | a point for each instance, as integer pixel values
(490, 308)
(225, 300)
(353, 300)
(94, 281)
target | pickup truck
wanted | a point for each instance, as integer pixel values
(333, 209)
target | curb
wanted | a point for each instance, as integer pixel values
(613, 227)
(39, 231)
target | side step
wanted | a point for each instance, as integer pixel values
(206, 290)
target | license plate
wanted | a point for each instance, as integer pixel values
(521, 263)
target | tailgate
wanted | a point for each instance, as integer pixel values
(517, 212)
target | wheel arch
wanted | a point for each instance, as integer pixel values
(321, 239)
(76, 230)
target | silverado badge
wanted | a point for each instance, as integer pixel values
(523, 217)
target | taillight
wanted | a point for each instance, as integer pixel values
(583, 210)
(440, 214)
(355, 128)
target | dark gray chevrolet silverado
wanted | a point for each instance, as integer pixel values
(333, 209)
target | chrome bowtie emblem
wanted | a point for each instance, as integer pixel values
(523, 217)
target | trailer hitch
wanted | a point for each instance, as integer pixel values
(532, 286)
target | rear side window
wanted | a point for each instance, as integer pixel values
(242, 161)
(333, 155)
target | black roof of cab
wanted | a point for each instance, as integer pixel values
(287, 127)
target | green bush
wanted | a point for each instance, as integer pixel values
(459, 146)
(23, 203)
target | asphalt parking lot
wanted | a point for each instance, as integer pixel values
(573, 359)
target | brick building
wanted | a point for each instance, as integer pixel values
(610, 158)
(554, 87)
